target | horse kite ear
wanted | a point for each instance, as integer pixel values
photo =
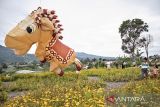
(46, 24)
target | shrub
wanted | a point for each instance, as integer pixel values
(1, 70)
(3, 96)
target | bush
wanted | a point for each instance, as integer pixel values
(4, 65)
(70, 68)
(3, 96)
(1, 70)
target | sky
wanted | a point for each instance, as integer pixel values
(90, 26)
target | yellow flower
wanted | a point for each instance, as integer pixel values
(77, 103)
(45, 103)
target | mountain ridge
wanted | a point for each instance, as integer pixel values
(7, 56)
(83, 55)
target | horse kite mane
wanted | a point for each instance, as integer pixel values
(50, 14)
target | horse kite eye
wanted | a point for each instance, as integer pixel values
(31, 28)
(28, 29)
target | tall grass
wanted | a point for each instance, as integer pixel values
(127, 74)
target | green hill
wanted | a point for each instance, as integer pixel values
(7, 56)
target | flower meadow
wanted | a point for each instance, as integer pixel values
(45, 89)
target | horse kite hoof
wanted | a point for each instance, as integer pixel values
(61, 73)
(78, 67)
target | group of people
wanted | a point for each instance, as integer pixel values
(147, 71)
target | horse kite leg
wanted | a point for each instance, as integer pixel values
(78, 64)
(55, 68)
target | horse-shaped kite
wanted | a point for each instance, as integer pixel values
(42, 27)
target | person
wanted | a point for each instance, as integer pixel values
(108, 65)
(144, 68)
(123, 66)
(154, 72)
(116, 64)
(134, 64)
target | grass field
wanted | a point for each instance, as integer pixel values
(45, 89)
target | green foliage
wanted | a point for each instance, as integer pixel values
(46, 66)
(4, 65)
(127, 74)
(101, 64)
(1, 70)
(130, 32)
(128, 61)
(0, 82)
(90, 65)
(3, 96)
(48, 89)
(70, 68)
(96, 65)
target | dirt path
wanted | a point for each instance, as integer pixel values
(14, 93)
(5, 84)
(114, 85)
(110, 85)
(93, 78)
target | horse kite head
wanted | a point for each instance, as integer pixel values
(31, 30)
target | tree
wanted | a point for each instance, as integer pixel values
(96, 65)
(138, 53)
(155, 58)
(4, 65)
(126, 59)
(130, 32)
(1, 69)
(145, 41)
(94, 60)
(90, 65)
(104, 59)
(100, 59)
(138, 56)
